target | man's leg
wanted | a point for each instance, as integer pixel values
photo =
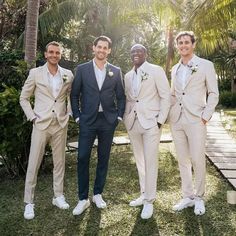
(87, 135)
(105, 132)
(38, 142)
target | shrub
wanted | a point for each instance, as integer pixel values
(15, 132)
(228, 99)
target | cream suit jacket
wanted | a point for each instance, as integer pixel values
(45, 104)
(153, 101)
(200, 95)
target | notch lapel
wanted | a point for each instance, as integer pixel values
(92, 76)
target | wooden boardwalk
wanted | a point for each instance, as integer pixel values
(221, 149)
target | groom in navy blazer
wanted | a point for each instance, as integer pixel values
(98, 103)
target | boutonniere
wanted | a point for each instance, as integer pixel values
(65, 78)
(193, 68)
(144, 76)
(110, 73)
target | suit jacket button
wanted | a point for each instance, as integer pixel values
(52, 110)
(55, 101)
(137, 101)
(180, 104)
(183, 93)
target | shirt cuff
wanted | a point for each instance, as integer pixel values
(119, 118)
(77, 120)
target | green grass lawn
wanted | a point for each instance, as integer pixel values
(118, 218)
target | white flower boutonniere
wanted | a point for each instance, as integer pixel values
(110, 73)
(144, 76)
(65, 78)
(193, 68)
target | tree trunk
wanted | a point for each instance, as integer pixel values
(31, 32)
(170, 52)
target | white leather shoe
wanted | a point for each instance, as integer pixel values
(137, 202)
(199, 208)
(184, 203)
(147, 211)
(100, 203)
(60, 202)
(81, 207)
(29, 211)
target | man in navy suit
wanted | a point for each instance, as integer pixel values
(98, 103)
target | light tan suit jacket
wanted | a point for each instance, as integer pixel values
(200, 95)
(45, 104)
(153, 101)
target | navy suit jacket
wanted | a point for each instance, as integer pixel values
(86, 96)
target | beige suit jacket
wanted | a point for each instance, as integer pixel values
(200, 95)
(153, 101)
(46, 106)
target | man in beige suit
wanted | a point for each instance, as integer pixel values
(50, 84)
(147, 106)
(194, 97)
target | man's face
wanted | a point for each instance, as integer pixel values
(53, 54)
(138, 55)
(185, 46)
(101, 50)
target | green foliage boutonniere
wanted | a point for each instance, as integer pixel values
(144, 76)
(65, 78)
(193, 68)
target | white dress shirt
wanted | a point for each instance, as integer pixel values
(100, 77)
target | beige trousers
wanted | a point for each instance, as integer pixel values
(145, 144)
(189, 139)
(56, 136)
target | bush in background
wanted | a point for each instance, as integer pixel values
(228, 99)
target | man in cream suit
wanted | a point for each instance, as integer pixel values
(50, 84)
(147, 106)
(194, 97)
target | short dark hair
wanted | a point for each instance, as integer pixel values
(186, 33)
(54, 43)
(102, 38)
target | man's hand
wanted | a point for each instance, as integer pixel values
(204, 121)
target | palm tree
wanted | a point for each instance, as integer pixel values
(31, 32)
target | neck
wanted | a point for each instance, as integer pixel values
(100, 63)
(52, 68)
(186, 59)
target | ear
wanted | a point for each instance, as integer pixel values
(94, 48)
(45, 55)
(109, 50)
(194, 45)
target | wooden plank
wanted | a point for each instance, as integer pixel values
(223, 145)
(121, 140)
(220, 154)
(220, 141)
(233, 182)
(222, 159)
(231, 174)
(225, 166)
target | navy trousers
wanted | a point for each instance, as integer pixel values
(104, 132)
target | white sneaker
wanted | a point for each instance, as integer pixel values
(147, 211)
(81, 207)
(137, 202)
(60, 202)
(199, 208)
(29, 211)
(184, 203)
(100, 203)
